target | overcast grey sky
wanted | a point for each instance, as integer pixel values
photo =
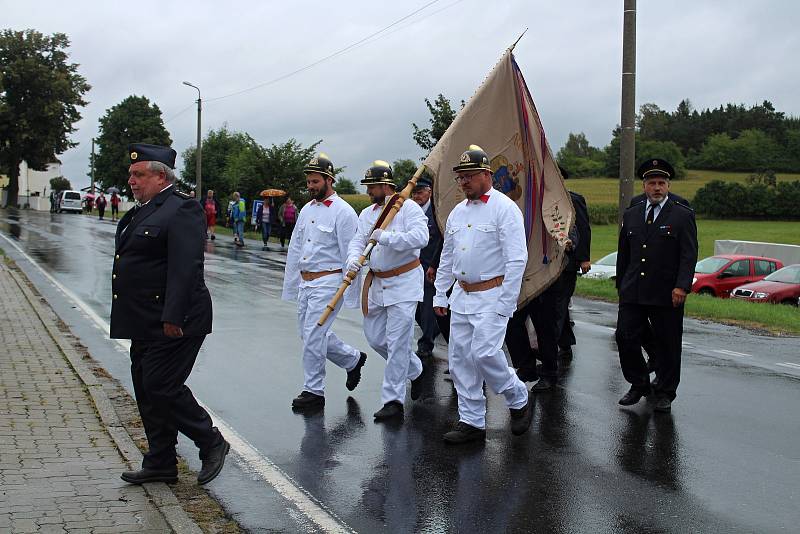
(362, 103)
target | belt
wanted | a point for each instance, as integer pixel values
(307, 276)
(397, 271)
(497, 281)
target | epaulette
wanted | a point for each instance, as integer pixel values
(635, 205)
(684, 206)
(182, 194)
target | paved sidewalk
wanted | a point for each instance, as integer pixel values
(59, 467)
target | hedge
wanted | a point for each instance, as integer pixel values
(735, 200)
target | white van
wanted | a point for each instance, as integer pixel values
(69, 201)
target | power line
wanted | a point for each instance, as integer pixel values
(330, 56)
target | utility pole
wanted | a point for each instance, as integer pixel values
(627, 148)
(92, 166)
(199, 154)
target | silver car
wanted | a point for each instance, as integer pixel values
(604, 269)
(69, 201)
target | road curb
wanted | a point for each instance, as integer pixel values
(161, 495)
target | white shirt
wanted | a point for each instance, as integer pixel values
(657, 208)
(398, 245)
(319, 243)
(483, 240)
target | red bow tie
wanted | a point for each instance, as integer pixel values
(376, 207)
(484, 198)
(326, 202)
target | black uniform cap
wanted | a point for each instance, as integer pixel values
(320, 163)
(379, 172)
(655, 167)
(145, 152)
(423, 182)
(474, 158)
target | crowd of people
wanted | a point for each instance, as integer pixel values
(463, 283)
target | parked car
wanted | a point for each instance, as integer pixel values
(69, 201)
(720, 275)
(780, 287)
(605, 268)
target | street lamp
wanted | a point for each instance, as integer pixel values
(199, 155)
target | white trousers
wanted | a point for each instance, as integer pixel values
(319, 342)
(475, 355)
(389, 331)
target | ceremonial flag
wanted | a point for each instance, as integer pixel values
(501, 118)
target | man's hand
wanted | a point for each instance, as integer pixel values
(678, 297)
(586, 266)
(172, 330)
(430, 275)
(376, 235)
(568, 245)
(440, 311)
(354, 265)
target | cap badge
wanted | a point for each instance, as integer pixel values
(655, 162)
(314, 161)
(134, 155)
(465, 157)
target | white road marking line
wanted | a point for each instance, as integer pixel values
(260, 464)
(731, 353)
(790, 365)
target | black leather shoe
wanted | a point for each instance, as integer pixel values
(632, 397)
(662, 404)
(544, 384)
(213, 462)
(145, 475)
(306, 399)
(464, 433)
(565, 354)
(527, 374)
(354, 374)
(521, 419)
(389, 410)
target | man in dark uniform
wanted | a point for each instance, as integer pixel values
(656, 256)
(161, 303)
(424, 315)
(578, 260)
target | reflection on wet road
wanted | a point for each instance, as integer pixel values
(726, 459)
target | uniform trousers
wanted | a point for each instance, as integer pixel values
(319, 343)
(667, 324)
(426, 319)
(567, 338)
(159, 369)
(389, 331)
(475, 355)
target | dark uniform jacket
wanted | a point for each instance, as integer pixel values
(581, 249)
(654, 259)
(158, 270)
(429, 256)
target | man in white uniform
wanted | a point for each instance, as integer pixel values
(317, 254)
(392, 288)
(485, 253)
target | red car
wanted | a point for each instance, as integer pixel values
(720, 275)
(781, 287)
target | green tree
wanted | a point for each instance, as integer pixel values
(40, 93)
(403, 170)
(442, 114)
(134, 120)
(343, 186)
(283, 168)
(579, 158)
(59, 183)
(218, 146)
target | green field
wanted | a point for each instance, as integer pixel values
(775, 318)
(606, 190)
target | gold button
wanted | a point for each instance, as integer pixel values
(643, 259)
(156, 297)
(644, 246)
(113, 276)
(642, 274)
(469, 226)
(146, 232)
(116, 257)
(115, 296)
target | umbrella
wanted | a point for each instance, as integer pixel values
(111, 190)
(273, 193)
(88, 195)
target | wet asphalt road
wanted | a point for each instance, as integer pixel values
(726, 460)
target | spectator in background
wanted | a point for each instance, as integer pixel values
(211, 209)
(287, 215)
(101, 205)
(264, 218)
(238, 216)
(114, 206)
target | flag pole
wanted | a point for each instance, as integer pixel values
(384, 220)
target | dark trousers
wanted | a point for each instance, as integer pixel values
(546, 317)
(160, 369)
(426, 319)
(286, 233)
(632, 327)
(443, 323)
(265, 230)
(101, 212)
(567, 338)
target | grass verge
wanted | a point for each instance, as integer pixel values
(774, 318)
